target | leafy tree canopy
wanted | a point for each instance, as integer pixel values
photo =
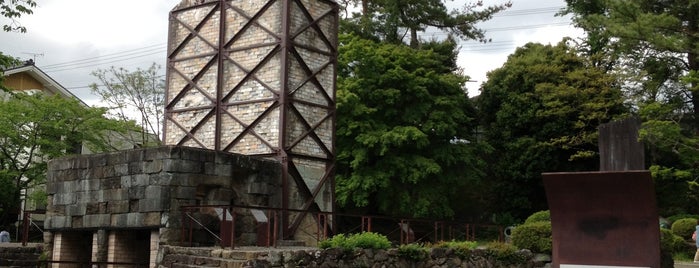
(13, 10)
(540, 112)
(37, 128)
(393, 20)
(652, 44)
(134, 95)
(404, 130)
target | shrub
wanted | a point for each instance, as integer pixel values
(539, 216)
(533, 236)
(507, 254)
(413, 251)
(369, 240)
(366, 240)
(672, 248)
(684, 227)
(672, 242)
(337, 241)
(461, 248)
(674, 218)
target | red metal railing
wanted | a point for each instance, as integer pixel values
(221, 230)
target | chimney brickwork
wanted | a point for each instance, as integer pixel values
(258, 78)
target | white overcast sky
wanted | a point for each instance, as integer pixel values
(71, 38)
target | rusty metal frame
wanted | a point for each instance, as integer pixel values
(603, 218)
(282, 99)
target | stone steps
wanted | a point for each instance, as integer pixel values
(18, 256)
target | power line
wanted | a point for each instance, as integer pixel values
(529, 11)
(115, 54)
(98, 62)
(158, 48)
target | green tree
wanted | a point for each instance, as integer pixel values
(37, 128)
(393, 20)
(540, 112)
(134, 95)
(404, 134)
(13, 10)
(653, 45)
(656, 40)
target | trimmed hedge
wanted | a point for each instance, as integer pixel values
(539, 216)
(534, 236)
(684, 227)
(674, 218)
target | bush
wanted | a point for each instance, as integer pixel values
(671, 242)
(461, 248)
(413, 252)
(673, 248)
(684, 227)
(365, 240)
(540, 216)
(337, 241)
(369, 240)
(674, 218)
(533, 236)
(507, 254)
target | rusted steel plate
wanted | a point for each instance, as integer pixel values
(603, 219)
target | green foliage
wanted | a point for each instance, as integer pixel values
(540, 112)
(461, 248)
(366, 240)
(674, 218)
(13, 10)
(388, 20)
(539, 216)
(675, 190)
(651, 45)
(134, 95)
(37, 128)
(413, 252)
(671, 242)
(674, 248)
(533, 236)
(506, 254)
(684, 227)
(405, 131)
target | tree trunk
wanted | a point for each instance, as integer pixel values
(414, 42)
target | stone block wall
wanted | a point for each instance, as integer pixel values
(334, 257)
(145, 188)
(16, 255)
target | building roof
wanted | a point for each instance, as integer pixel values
(49, 83)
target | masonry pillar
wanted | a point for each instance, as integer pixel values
(99, 246)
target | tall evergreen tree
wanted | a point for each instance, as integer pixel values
(394, 20)
(540, 112)
(404, 133)
(652, 44)
(655, 40)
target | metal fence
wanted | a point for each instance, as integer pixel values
(216, 225)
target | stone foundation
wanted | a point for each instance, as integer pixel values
(16, 255)
(313, 257)
(118, 207)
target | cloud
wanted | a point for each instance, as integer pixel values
(133, 33)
